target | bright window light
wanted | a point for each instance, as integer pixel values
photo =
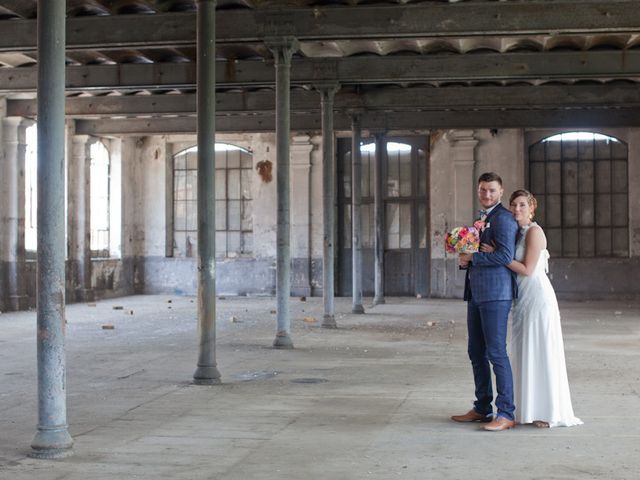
(220, 147)
(31, 193)
(398, 147)
(99, 196)
(368, 148)
(569, 136)
(392, 147)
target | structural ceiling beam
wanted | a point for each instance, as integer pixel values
(383, 98)
(351, 70)
(338, 23)
(375, 121)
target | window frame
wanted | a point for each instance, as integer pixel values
(246, 248)
(596, 193)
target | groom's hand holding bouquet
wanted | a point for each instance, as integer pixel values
(464, 240)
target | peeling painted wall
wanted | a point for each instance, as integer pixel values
(503, 151)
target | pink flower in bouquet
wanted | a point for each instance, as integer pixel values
(462, 240)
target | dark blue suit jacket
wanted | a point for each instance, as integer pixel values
(488, 279)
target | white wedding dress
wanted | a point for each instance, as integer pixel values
(541, 386)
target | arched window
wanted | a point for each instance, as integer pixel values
(581, 182)
(234, 213)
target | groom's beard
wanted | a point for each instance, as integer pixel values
(491, 206)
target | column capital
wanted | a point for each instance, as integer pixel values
(379, 134)
(327, 88)
(463, 138)
(10, 129)
(12, 121)
(463, 144)
(81, 138)
(282, 48)
(301, 148)
(356, 115)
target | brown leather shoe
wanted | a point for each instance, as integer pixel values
(471, 416)
(499, 424)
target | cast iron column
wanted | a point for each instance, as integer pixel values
(283, 49)
(327, 93)
(207, 371)
(378, 212)
(52, 440)
(356, 221)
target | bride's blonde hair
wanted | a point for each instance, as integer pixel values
(531, 200)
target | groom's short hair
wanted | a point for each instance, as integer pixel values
(490, 177)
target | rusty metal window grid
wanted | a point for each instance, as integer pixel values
(591, 238)
(234, 205)
(412, 196)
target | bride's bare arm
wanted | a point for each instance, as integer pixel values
(534, 244)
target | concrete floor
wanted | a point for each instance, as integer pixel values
(370, 400)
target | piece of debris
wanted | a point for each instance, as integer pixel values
(452, 321)
(108, 326)
(273, 312)
(118, 307)
(222, 298)
(303, 298)
(169, 301)
(130, 312)
(169, 307)
(431, 324)
(91, 304)
(309, 319)
(234, 319)
(617, 312)
(418, 295)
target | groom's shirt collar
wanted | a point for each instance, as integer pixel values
(490, 209)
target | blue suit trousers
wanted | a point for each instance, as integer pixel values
(487, 325)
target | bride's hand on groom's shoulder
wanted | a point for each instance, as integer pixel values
(488, 248)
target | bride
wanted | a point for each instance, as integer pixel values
(541, 386)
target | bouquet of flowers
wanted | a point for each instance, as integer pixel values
(462, 240)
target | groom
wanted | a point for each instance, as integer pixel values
(489, 289)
